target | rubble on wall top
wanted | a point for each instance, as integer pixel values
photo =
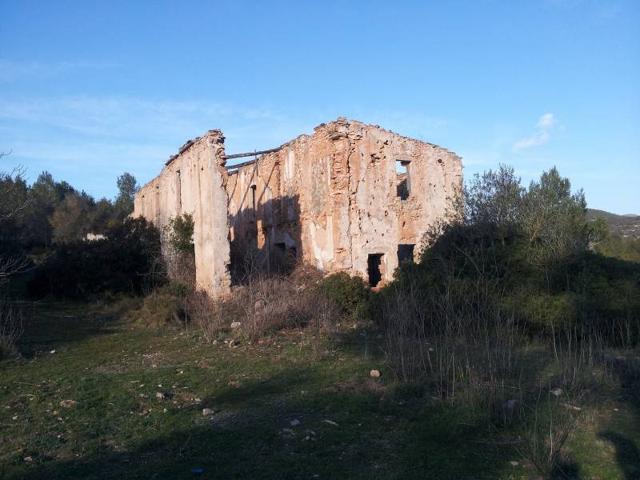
(182, 149)
(187, 144)
(345, 122)
(213, 132)
(343, 131)
(335, 135)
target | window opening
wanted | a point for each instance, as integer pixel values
(403, 186)
(405, 253)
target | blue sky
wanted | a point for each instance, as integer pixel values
(91, 89)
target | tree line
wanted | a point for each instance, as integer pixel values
(51, 212)
(45, 245)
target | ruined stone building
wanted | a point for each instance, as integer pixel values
(350, 197)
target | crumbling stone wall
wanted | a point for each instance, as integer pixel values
(194, 182)
(334, 198)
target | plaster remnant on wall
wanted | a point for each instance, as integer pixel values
(332, 198)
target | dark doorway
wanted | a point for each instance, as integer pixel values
(373, 268)
(284, 257)
(405, 253)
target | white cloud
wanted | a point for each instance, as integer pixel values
(85, 138)
(131, 119)
(546, 123)
(136, 120)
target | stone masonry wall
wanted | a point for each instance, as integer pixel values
(194, 182)
(331, 197)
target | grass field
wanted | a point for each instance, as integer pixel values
(94, 396)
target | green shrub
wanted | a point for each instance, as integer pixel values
(543, 312)
(163, 306)
(620, 247)
(127, 260)
(349, 293)
(177, 289)
(524, 255)
(181, 233)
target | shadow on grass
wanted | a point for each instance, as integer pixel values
(264, 431)
(51, 324)
(627, 453)
(566, 470)
(364, 342)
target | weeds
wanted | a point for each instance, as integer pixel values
(269, 303)
(481, 359)
(12, 319)
(458, 336)
(546, 426)
(263, 305)
(211, 317)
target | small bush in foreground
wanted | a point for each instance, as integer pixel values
(212, 317)
(349, 293)
(274, 303)
(547, 423)
(163, 306)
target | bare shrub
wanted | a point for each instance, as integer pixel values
(265, 304)
(465, 350)
(180, 266)
(248, 262)
(472, 353)
(211, 317)
(274, 303)
(547, 423)
(12, 265)
(11, 325)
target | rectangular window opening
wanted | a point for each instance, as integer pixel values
(403, 185)
(179, 191)
(374, 261)
(253, 197)
(405, 253)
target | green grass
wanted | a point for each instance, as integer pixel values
(350, 425)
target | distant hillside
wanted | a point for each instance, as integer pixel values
(624, 225)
